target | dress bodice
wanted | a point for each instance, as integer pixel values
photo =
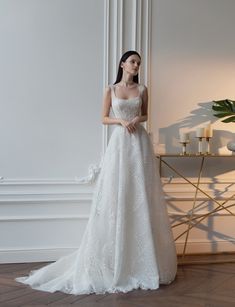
(126, 109)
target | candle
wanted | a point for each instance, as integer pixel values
(200, 132)
(184, 137)
(208, 131)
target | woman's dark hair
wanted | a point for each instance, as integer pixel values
(124, 57)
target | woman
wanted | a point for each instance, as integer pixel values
(128, 242)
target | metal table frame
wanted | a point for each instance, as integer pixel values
(190, 219)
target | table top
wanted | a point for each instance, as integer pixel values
(192, 155)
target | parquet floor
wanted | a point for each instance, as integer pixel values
(196, 285)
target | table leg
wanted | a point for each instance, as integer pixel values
(193, 208)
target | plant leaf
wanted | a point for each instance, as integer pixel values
(229, 104)
(217, 108)
(224, 108)
(219, 115)
(230, 119)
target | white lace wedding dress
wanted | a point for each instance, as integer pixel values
(128, 242)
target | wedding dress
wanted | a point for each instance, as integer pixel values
(127, 243)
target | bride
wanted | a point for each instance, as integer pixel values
(127, 243)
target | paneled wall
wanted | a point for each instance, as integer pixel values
(51, 87)
(57, 58)
(52, 63)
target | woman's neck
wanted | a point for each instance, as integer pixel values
(127, 80)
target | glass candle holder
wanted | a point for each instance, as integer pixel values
(200, 138)
(184, 152)
(208, 150)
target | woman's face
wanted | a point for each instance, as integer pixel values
(131, 65)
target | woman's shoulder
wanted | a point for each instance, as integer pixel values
(108, 88)
(142, 87)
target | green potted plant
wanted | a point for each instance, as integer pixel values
(225, 109)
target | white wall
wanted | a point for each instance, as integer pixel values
(192, 63)
(51, 84)
(51, 60)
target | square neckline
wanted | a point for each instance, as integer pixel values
(126, 99)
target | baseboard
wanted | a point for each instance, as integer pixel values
(52, 254)
(34, 255)
(202, 247)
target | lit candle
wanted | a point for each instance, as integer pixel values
(208, 131)
(184, 137)
(200, 132)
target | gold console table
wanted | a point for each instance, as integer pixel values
(190, 219)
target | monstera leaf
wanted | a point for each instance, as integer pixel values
(224, 108)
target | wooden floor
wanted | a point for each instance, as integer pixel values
(209, 285)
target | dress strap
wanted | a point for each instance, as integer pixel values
(111, 86)
(141, 89)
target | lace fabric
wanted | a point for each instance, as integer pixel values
(127, 243)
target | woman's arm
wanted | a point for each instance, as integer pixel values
(144, 108)
(106, 120)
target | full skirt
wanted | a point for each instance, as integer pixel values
(128, 242)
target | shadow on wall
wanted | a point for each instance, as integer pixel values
(198, 117)
(190, 167)
(211, 228)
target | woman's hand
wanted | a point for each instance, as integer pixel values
(130, 126)
(135, 121)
